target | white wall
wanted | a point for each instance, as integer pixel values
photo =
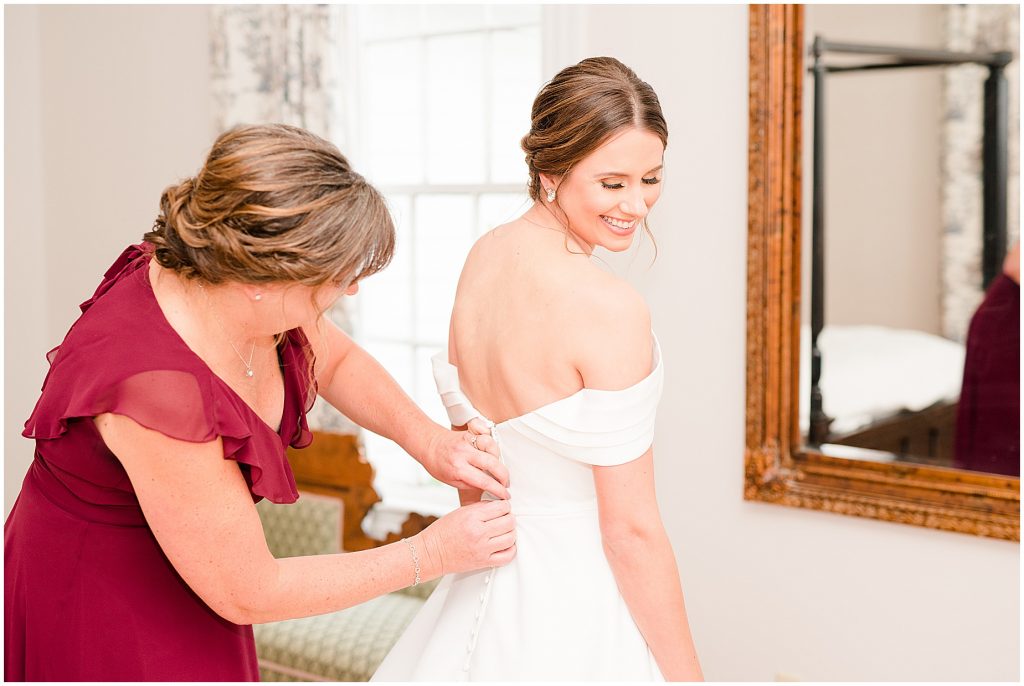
(26, 321)
(770, 590)
(105, 106)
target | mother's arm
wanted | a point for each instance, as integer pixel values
(200, 510)
(355, 383)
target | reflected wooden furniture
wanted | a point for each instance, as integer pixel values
(778, 467)
(334, 465)
(923, 437)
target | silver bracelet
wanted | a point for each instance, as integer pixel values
(415, 560)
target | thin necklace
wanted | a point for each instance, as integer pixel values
(248, 365)
(562, 229)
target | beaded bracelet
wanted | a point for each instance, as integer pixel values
(415, 560)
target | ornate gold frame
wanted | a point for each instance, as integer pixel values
(778, 469)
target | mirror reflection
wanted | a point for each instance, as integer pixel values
(910, 347)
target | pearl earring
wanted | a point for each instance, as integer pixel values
(258, 296)
(551, 195)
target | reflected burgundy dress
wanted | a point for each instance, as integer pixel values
(88, 593)
(987, 435)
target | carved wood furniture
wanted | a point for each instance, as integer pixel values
(334, 465)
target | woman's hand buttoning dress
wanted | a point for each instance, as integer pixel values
(557, 358)
(134, 551)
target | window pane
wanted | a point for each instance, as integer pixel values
(446, 18)
(386, 298)
(397, 359)
(444, 235)
(426, 389)
(455, 113)
(515, 79)
(427, 397)
(389, 461)
(500, 208)
(392, 111)
(388, 21)
(385, 455)
(401, 211)
(512, 15)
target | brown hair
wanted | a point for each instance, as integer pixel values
(273, 203)
(577, 111)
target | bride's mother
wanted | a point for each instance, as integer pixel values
(134, 551)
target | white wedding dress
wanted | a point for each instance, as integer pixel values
(555, 612)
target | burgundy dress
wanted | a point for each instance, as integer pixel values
(88, 593)
(987, 435)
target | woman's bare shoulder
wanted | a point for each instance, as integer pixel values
(491, 246)
(609, 297)
(612, 332)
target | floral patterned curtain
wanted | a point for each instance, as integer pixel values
(278, 63)
(275, 63)
(975, 28)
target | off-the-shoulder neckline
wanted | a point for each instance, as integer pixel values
(655, 367)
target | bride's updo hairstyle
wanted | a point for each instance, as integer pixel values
(579, 109)
(273, 203)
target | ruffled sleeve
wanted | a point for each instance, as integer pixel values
(176, 403)
(122, 357)
(131, 259)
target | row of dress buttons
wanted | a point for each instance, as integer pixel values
(485, 594)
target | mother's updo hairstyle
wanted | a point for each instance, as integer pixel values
(273, 203)
(579, 109)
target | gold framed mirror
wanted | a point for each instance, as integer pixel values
(779, 467)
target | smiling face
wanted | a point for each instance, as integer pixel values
(607, 195)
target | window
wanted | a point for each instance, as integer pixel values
(443, 96)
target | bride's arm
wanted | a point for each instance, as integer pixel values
(614, 352)
(644, 565)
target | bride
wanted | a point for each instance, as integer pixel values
(557, 357)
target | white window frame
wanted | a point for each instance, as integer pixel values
(561, 37)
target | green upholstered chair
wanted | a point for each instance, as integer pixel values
(347, 645)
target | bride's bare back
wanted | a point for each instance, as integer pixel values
(528, 314)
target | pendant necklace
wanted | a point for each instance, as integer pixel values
(248, 365)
